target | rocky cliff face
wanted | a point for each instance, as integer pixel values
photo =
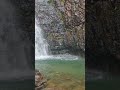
(63, 23)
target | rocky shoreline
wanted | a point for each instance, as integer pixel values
(59, 81)
(40, 81)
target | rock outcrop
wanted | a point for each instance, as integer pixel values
(63, 22)
(40, 81)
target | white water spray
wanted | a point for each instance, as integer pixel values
(41, 45)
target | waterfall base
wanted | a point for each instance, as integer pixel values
(58, 57)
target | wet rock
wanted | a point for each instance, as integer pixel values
(40, 81)
(62, 30)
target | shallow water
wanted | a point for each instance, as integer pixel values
(63, 74)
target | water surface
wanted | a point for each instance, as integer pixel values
(63, 74)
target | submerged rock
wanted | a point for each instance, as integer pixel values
(59, 81)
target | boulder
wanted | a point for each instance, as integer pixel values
(40, 81)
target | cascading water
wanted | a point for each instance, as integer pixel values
(41, 46)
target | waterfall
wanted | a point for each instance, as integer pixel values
(41, 45)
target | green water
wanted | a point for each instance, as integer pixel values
(75, 67)
(63, 73)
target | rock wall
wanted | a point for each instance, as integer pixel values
(63, 30)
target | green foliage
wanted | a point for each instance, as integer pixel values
(50, 1)
(63, 1)
(61, 14)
